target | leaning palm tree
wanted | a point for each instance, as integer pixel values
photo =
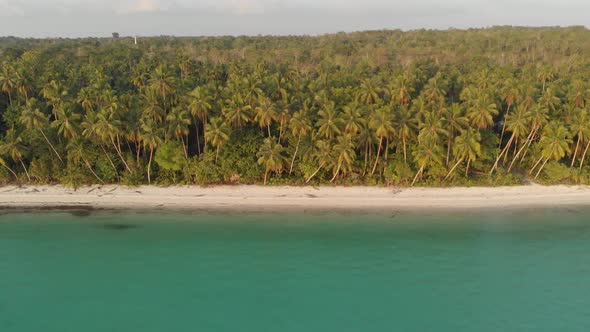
(14, 147)
(467, 148)
(271, 156)
(554, 144)
(8, 80)
(150, 136)
(426, 155)
(67, 123)
(218, 134)
(382, 123)
(76, 153)
(516, 123)
(299, 125)
(322, 156)
(5, 165)
(33, 119)
(344, 154)
(580, 128)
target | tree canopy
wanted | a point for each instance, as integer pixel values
(503, 105)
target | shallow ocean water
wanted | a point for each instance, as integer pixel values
(489, 270)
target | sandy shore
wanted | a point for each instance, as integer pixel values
(257, 197)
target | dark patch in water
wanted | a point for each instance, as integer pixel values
(119, 227)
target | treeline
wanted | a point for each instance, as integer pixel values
(466, 107)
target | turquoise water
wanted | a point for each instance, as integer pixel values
(519, 270)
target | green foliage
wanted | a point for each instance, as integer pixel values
(238, 157)
(170, 156)
(555, 172)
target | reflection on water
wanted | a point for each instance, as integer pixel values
(489, 270)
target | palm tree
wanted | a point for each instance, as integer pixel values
(382, 123)
(580, 128)
(8, 80)
(352, 119)
(150, 136)
(218, 134)
(5, 165)
(199, 104)
(511, 92)
(427, 154)
(237, 111)
(66, 123)
(152, 109)
(33, 119)
(322, 156)
(369, 92)
(329, 123)
(539, 117)
(178, 122)
(516, 123)
(265, 113)
(482, 112)
(467, 148)
(344, 154)
(455, 121)
(271, 156)
(13, 146)
(405, 127)
(107, 127)
(77, 153)
(554, 143)
(162, 82)
(300, 126)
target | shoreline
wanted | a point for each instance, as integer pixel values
(245, 197)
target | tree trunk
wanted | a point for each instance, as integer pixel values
(184, 147)
(51, 145)
(336, 173)
(268, 128)
(204, 134)
(314, 173)
(521, 149)
(417, 174)
(91, 170)
(540, 169)
(504, 125)
(150, 165)
(217, 154)
(467, 168)
(448, 149)
(25, 168)
(198, 138)
(584, 155)
(405, 153)
(295, 155)
(505, 150)
(120, 155)
(265, 176)
(453, 169)
(110, 160)
(535, 165)
(576, 152)
(377, 158)
(11, 171)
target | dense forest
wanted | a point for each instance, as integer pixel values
(496, 106)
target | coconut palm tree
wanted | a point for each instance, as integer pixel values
(455, 121)
(178, 121)
(5, 165)
(426, 155)
(580, 129)
(265, 113)
(467, 147)
(151, 138)
(271, 156)
(13, 146)
(352, 119)
(554, 143)
(329, 123)
(369, 92)
(299, 125)
(33, 119)
(76, 153)
(237, 111)
(218, 134)
(382, 124)
(405, 126)
(199, 105)
(344, 154)
(67, 122)
(8, 80)
(481, 113)
(517, 123)
(322, 156)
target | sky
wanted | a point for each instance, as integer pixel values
(99, 18)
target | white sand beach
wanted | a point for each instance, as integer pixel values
(258, 197)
